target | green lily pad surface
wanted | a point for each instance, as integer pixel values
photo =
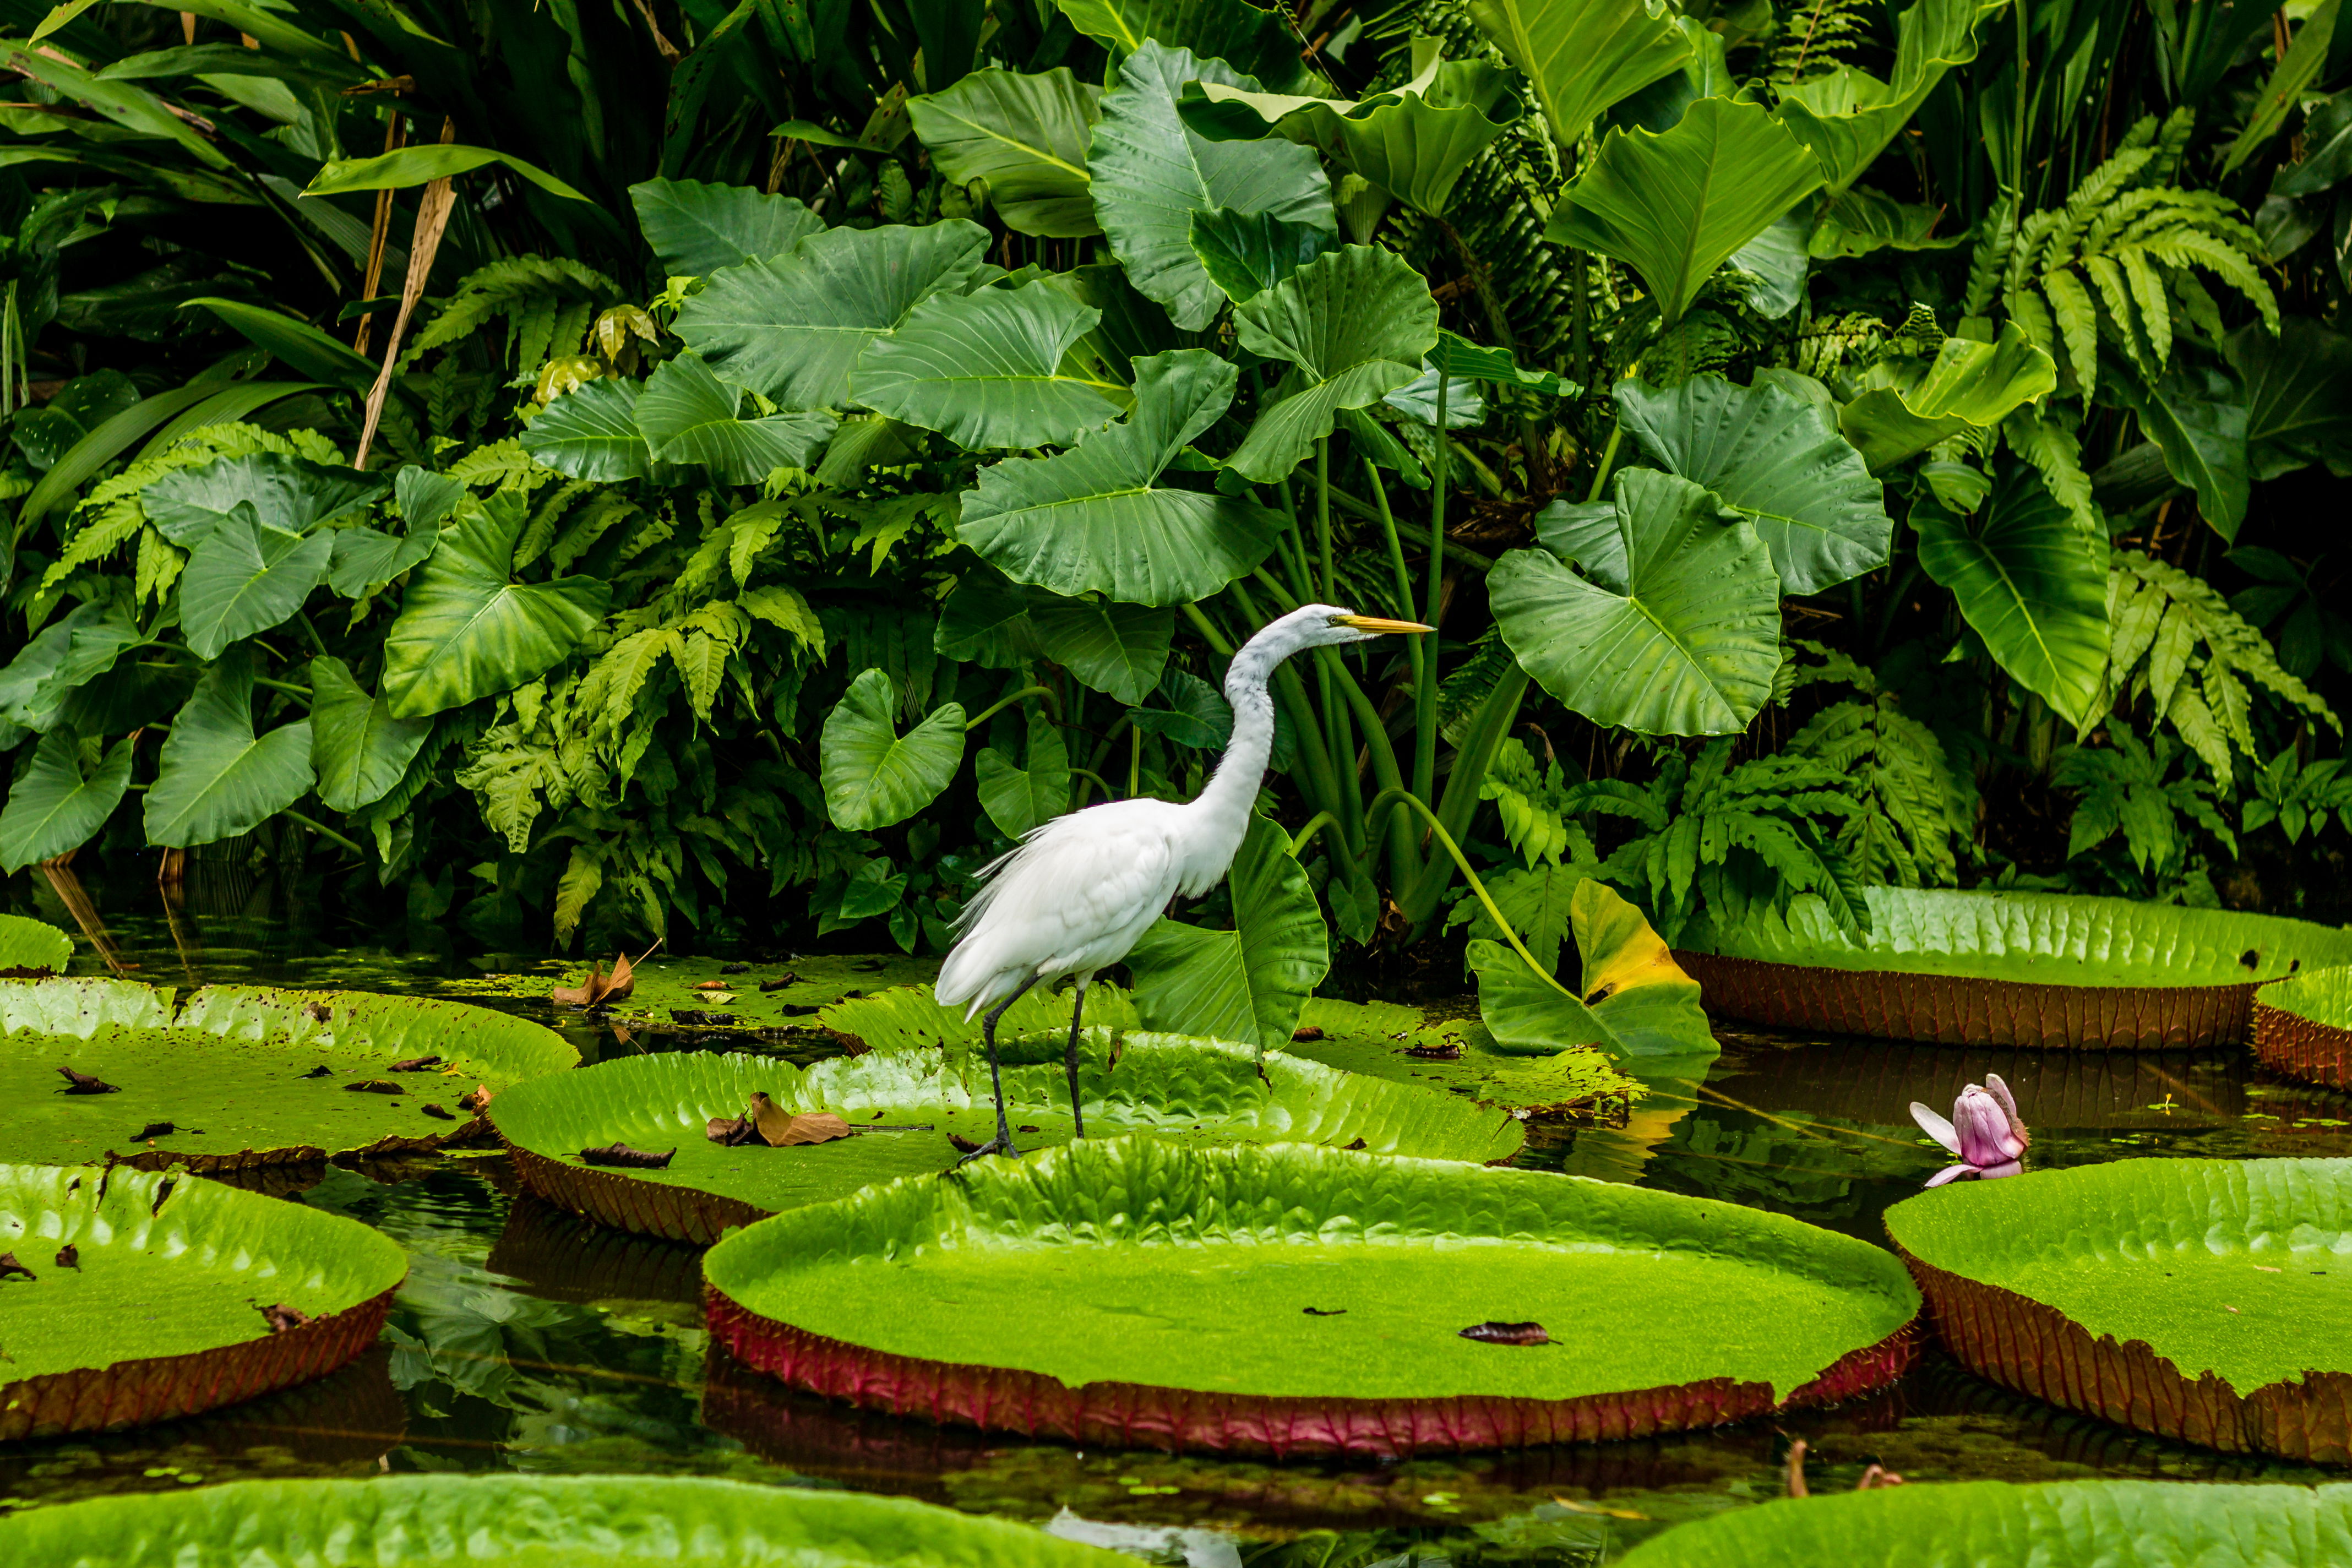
(228, 1068)
(2210, 1300)
(524, 1521)
(1388, 1039)
(904, 1105)
(153, 1312)
(33, 946)
(726, 995)
(1297, 1298)
(2125, 1524)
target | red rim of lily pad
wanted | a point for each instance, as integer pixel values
(1960, 1010)
(647, 1209)
(2303, 1027)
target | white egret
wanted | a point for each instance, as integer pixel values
(1082, 889)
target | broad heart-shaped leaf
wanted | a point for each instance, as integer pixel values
(875, 777)
(1114, 647)
(365, 558)
(1018, 798)
(1151, 173)
(1846, 116)
(592, 433)
(1860, 220)
(1095, 518)
(2198, 417)
(1674, 207)
(1582, 55)
(790, 327)
(1355, 321)
(358, 749)
(1690, 644)
(289, 494)
(985, 368)
(245, 577)
(67, 656)
(1245, 254)
(697, 230)
(1636, 1000)
(1259, 43)
(1462, 360)
(1247, 985)
(1026, 136)
(1771, 454)
(464, 631)
(687, 414)
(1970, 386)
(2298, 391)
(217, 779)
(60, 800)
(423, 498)
(2029, 585)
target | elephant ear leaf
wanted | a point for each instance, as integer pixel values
(63, 798)
(1151, 173)
(218, 778)
(1634, 1000)
(874, 776)
(592, 433)
(1771, 454)
(1246, 254)
(1582, 55)
(466, 630)
(1250, 984)
(1020, 798)
(687, 414)
(358, 749)
(1026, 136)
(1968, 387)
(1098, 519)
(285, 493)
(986, 369)
(1846, 116)
(246, 576)
(1355, 324)
(696, 228)
(1674, 207)
(1261, 44)
(1680, 635)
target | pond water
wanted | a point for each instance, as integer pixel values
(526, 1338)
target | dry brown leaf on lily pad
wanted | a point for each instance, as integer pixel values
(599, 987)
(781, 1128)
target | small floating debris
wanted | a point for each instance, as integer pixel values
(1507, 1333)
(438, 1113)
(154, 1130)
(781, 982)
(281, 1317)
(12, 1270)
(415, 1064)
(83, 1083)
(621, 1154)
(320, 1072)
(373, 1086)
(1332, 1312)
(69, 1256)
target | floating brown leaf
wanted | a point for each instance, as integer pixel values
(600, 988)
(415, 1064)
(1324, 1311)
(731, 1132)
(474, 1101)
(69, 1256)
(1309, 1033)
(321, 1072)
(10, 1269)
(781, 1129)
(963, 1145)
(1451, 1051)
(437, 1113)
(786, 979)
(281, 1317)
(82, 1083)
(319, 1011)
(623, 1155)
(154, 1129)
(373, 1086)
(1507, 1335)
(712, 985)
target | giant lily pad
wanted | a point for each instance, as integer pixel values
(1304, 1300)
(903, 1107)
(29, 947)
(1998, 968)
(2206, 1300)
(522, 1521)
(228, 1073)
(140, 1298)
(2147, 1524)
(2303, 1027)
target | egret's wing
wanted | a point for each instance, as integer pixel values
(1078, 882)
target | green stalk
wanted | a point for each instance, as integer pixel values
(994, 709)
(1490, 724)
(1608, 461)
(323, 831)
(1387, 798)
(1334, 714)
(1424, 703)
(2024, 37)
(1404, 859)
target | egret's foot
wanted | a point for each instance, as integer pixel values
(994, 1146)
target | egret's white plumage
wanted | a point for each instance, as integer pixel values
(1080, 892)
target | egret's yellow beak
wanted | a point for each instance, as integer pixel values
(1375, 624)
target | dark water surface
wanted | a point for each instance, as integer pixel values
(526, 1338)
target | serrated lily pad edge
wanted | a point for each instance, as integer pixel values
(2289, 1043)
(1958, 1010)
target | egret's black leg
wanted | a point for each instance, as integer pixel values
(1077, 1011)
(1004, 1143)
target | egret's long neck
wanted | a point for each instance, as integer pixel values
(1223, 809)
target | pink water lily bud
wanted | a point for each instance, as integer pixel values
(1985, 1131)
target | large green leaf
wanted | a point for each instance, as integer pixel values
(791, 327)
(1151, 173)
(66, 656)
(512, 1521)
(365, 558)
(1846, 116)
(467, 631)
(1355, 323)
(1026, 136)
(2029, 583)
(1114, 647)
(421, 164)
(2198, 417)
(986, 369)
(1245, 254)
(2298, 394)
(1018, 797)
(1261, 44)
(289, 494)
(358, 749)
(64, 797)
(1674, 207)
(1582, 55)
(245, 577)
(1098, 519)
(1635, 999)
(1248, 984)
(1967, 1524)
(687, 414)
(1675, 630)
(1773, 456)
(592, 433)
(1971, 386)
(218, 778)
(696, 228)
(294, 341)
(875, 777)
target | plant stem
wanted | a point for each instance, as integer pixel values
(1315, 825)
(323, 831)
(1208, 629)
(1608, 461)
(994, 709)
(1424, 699)
(1389, 798)
(2024, 38)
